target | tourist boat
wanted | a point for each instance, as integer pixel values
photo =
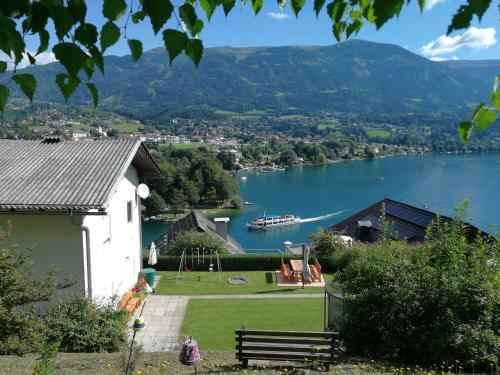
(247, 203)
(273, 221)
(243, 178)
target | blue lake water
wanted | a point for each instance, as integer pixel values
(439, 181)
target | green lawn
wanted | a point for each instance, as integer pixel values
(212, 322)
(196, 283)
(372, 132)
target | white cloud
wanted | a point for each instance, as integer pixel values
(429, 4)
(42, 59)
(278, 16)
(437, 58)
(474, 38)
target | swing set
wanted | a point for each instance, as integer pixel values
(183, 266)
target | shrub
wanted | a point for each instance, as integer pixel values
(436, 302)
(192, 241)
(83, 326)
(326, 244)
(246, 262)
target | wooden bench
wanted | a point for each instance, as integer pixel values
(316, 275)
(286, 272)
(306, 347)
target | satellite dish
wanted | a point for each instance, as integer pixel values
(143, 191)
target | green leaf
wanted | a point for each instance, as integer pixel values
(257, 6)
(70, 56)
(336, 10)
(159, 12)
(110, 33)
(86, 34)
(483, 117)
(137, 16)
(93, 91)
(27, 83)
(78, 9)
(135, 48)
(114, 9)
(67, 84)
(227, 5)
(461, 19)
(188, 15)
(4, 95)
(88, 67)
(421, 5)
(354, 27)
(44, 41)
(338, 30)
(175, 42)
(495, 94)
(318, 5)
(194, 49)
(384, 10)
(11, 41)
(97, 57)
(296, 6)
(209, 7)
(479, 7)
(31, 58)
(3, 66)
(356, 15)
(63, 20)
(38, 18)
(464, 131)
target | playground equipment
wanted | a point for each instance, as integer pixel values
(200, 261)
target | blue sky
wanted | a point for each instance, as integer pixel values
(422, 33)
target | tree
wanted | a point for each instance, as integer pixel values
(80, 46)
(154, 203)
(288, 157)
(227, 159)
(192, 241)
(177, 201)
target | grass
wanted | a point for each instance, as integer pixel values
(126, 127)
(214, 362)
(325, 126)
(372, 132)
(212, 322)
(81, 127)
(188, 146)
(202, 283)
(211, 213)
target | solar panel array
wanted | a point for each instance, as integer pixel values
(396, 228)
(412, 216)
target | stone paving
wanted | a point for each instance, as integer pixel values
(163, 319)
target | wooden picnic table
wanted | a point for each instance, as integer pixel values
(297, 266)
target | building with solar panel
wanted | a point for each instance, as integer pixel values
(405, 222)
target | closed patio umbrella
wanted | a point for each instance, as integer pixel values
(306, 272)
(152, 259)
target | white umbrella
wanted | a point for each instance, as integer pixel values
(153, 259)
(306, 270)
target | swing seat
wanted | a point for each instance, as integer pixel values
(187, 269)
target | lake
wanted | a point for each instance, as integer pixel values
(438, 181)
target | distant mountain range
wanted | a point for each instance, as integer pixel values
(352, 77)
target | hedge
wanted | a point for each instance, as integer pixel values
(244, 262)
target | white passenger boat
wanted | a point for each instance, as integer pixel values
(267, 221)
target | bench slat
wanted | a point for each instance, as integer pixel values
(295, 349)
(247, 332)
(284, 340)
(298, 357)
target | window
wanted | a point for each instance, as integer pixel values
(129, 211)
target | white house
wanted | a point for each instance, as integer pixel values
(76, 205)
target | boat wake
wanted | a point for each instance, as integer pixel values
(308, 220)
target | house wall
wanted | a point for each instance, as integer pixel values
(55, 242)
(115, 243)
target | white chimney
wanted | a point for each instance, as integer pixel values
(221, 226)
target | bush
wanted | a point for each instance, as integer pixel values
(245, 262)
(434, 302)
(326, 244)
(192, 241)
(83, 326)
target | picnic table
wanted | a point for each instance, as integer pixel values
(297, 266)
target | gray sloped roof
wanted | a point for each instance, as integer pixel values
(77, 175)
